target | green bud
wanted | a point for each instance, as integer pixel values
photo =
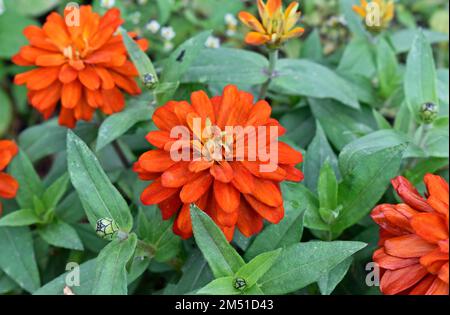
(428, 112)
(240, 284)
(149, 80)
(329, 216)
(106, 228)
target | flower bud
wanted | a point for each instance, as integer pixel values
(149, 80)
(240, 284)
(428, 112)
(106, 228)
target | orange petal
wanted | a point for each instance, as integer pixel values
(437, 187)
(183, 225)
(251, 21)
(259, 114)
(273, 6)
(443, 273)
(177, 175)
(229, 100)
(158, 138)
(89, 78)
(203, 106)
(292, 173)
(170, 206)
(408, 246)
(106, 78)
(8, 186)
(67, 74)
(156, 161)
(195, 189)
(287, 155)
(71, 94)
(409, 194)
(390, 262)
(267, 192)
(429, 226)
(438, 287)
(222, 171)
(113, 101)
(249, 222)
(296, 32)
(50, 60)
(156, 193)
(396, 281)
(227, 196)
(434, 260)
(256, 39)
(271, 214)
(243, 179)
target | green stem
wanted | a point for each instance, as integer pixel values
(273, 58)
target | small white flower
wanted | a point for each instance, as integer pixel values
(168, 46)
(141, 2)
(153, 26)
(107, 3)
(2, 7)
(168, 33)
(212, 42)
(136, 17)
(230, 19)
(230, 32)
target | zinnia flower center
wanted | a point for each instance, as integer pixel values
(213, 142)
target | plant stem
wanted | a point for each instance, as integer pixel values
(273, 58)
(121, 154)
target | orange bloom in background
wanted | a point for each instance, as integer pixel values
(413, 256)
(275, 26)
(85, 67)
(8, 185)
(386, 12)
(233, 192)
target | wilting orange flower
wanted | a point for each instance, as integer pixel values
(234, 192)
(8, 185)
(85, 67)
(413, 256)
(276, 25)
(386, 12)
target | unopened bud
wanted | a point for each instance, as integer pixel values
(106, 228)
(428, 112)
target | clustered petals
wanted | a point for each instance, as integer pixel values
(235, 192)
(83, 67)
(275, 25)
(8, 185)
(413, 254)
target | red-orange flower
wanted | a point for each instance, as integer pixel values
(8, 185)
(413, 256)
(85, 66)
(275, 26)
(234, 191)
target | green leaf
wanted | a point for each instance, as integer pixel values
(6, 284)
(381, 121)
(436, 140)
(220, 286)
(306, 78)
(158, 234)
(17, 257)
(33, 8)
(164, 7)
(257, 267)
(312, 219)
(420, 81)
(180, 60)
(403, 39)
(140, 59)
(227, 65)
(328, 282)
(367, 166)
(358, 59)
(327, 188)
(221, 256)
(111, 274)
(99, 197)
(11, 37)
(57, 285)
(20, 218)
(353, 20)
(304, 263)
(6, 113)
(56, 191)
(341, 124)
(312, 47)
(318, 152)
(289, 231)
(61, 234)
(387, 68)
(116, 125)
(30, 184)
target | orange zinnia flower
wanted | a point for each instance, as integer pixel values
(414, 239)
(386, 13)
(8, 185)
(84, 66)
(276, 25)
(234, 192)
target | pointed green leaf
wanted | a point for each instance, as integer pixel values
(220, 286)
(20, 218)
(257, 267)
(61, 234)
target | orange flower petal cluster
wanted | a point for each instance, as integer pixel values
(8, 185)
(233, 192)
(84, 67)
(413, 256)
(386, 11)
(275, 26)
